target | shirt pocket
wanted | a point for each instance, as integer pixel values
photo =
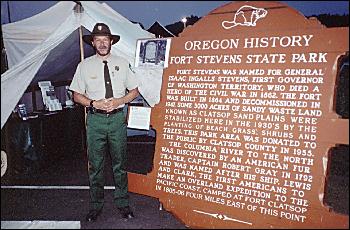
(94, 84)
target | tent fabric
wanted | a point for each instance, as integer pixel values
(22, 36)
(29, 42)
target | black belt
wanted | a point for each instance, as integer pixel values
(110, 112)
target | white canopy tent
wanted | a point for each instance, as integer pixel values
(44, 42)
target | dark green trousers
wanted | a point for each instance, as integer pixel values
(107, 132)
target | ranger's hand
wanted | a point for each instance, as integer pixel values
(113, 103)
(101, 104)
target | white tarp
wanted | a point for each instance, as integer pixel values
(29, 42)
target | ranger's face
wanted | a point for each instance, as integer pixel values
(102, 45)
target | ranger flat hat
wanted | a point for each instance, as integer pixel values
(100, 29)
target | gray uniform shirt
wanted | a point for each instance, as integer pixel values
(89, 77)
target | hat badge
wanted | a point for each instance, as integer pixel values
(99, 27)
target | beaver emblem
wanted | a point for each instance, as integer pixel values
(245, 16)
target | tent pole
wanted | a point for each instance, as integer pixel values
(78, 8)
(81, 43)
(81, 59)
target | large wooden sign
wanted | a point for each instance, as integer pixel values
(246, 120)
